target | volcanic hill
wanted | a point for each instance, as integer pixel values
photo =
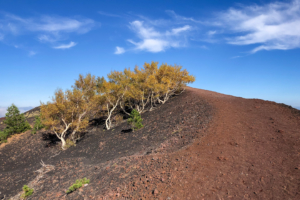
(199, 145)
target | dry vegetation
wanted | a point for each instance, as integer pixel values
(141, 89)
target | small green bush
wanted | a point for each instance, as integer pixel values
(37, 124)
(135, 120)
(15, 122)
(27, 191)
(3, 136)
(78, 184)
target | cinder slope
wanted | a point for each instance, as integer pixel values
(251, 150)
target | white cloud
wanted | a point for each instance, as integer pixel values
(48, 38)
(66, 46)
(153, 45)
(176, 31)
(48, 24)
(210, 33)
(31, 53)
(181, 18)
(142, 31)
(45, 28)
(271, 26)
(155, 41)
(119, 50)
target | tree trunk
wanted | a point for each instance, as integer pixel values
(63, 143)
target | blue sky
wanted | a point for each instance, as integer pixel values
(243, 48)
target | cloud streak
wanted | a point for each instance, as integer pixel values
(271, 26)
(153, 40)
(47, 29)
(119, 50)
(65, 46)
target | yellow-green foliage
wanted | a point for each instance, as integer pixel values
(27, 191)
(141, 89)
(78, 184)
(70, 143)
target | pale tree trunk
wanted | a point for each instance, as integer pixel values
(108, 121)
(63, 143)
(123, 108)
(77, 127)
(62, 135)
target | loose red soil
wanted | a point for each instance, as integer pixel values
(201, 145)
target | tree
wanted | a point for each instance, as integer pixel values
(58, 115)
(37, 124)
(70, 110)
(138, 95)
(154, 85)
(135, 120)
(85, 99)
(173, 81)
(15, 122)
(113, 91)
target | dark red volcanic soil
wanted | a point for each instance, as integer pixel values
(201, 145)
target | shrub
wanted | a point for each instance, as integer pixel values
(37, 124)
(118, 119)
(78, 184)
(3, 136)
(135, 120)
(15, 122)
(70, 143)
(27, 191)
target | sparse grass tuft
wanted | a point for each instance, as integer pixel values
(78, 184)
(27, 191)
(69, 143)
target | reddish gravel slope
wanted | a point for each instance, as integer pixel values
(201, 145)
(251, 150)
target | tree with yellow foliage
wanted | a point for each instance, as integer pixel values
(113, 91)
(85, 98)
(155, 87)
(70, 110)
(58, 115)
(173, 80)
(138, 94)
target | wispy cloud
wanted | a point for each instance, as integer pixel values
(48, 24)
(108, 14)
(119, 50)
(50, 29)
(211, 33)
(66, 46)
(32, 53)
(153, 40)
(182, 18)
(271, 26)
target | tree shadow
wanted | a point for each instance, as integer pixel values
(126, 131)
(51, 138)
(98, 121)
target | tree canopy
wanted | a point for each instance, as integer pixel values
(140, 90)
